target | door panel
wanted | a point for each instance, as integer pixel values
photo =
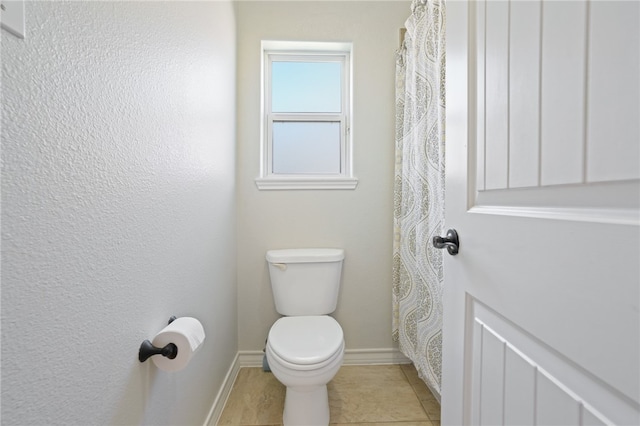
(557, 92)
(524, 82)
(521, 381)
(541, 305)
(614, 67)
(562, 74)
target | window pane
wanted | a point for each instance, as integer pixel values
(306, 147)
(305, 86)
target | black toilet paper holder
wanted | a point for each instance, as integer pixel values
(148, 350)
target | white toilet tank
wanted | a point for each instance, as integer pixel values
(305, 281)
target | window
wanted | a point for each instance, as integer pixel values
(306, 140)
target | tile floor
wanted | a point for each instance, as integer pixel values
(373, 395)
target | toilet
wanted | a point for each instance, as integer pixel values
(305, 347)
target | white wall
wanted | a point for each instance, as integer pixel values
(118, 209)
(360, 221)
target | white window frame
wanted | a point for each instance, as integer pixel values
(306, 52)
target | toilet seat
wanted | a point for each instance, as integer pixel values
(306, 342)
(304, 368)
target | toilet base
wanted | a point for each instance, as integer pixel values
(306, 406)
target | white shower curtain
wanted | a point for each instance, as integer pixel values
(419, 190)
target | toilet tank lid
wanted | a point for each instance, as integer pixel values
(307, 255)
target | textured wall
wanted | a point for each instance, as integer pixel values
(118, 209)
(360, 221)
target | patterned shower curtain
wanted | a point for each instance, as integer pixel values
(419, 190)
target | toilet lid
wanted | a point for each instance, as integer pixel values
(305, 339)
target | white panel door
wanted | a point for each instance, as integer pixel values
(542, 302)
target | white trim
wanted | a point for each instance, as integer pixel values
(223, 394)
(379, 356)
(306, 182)
(610, 216)
(615, 202)
(325, 117)
(317, 46)
(315, 52)
(250, 358)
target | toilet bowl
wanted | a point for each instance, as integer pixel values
(304, 354)
(305, 348)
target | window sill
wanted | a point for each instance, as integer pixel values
(302, 182)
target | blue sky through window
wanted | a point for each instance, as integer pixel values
(312, 87)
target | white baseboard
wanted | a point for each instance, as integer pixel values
(223, 394)
(374, 357)
(250, 358)
(254, 359)
(351, 357)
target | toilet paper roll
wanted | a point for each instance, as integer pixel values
(187, 334)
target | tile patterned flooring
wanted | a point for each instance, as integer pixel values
(372, 395)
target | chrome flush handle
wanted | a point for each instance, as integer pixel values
(281, 266)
